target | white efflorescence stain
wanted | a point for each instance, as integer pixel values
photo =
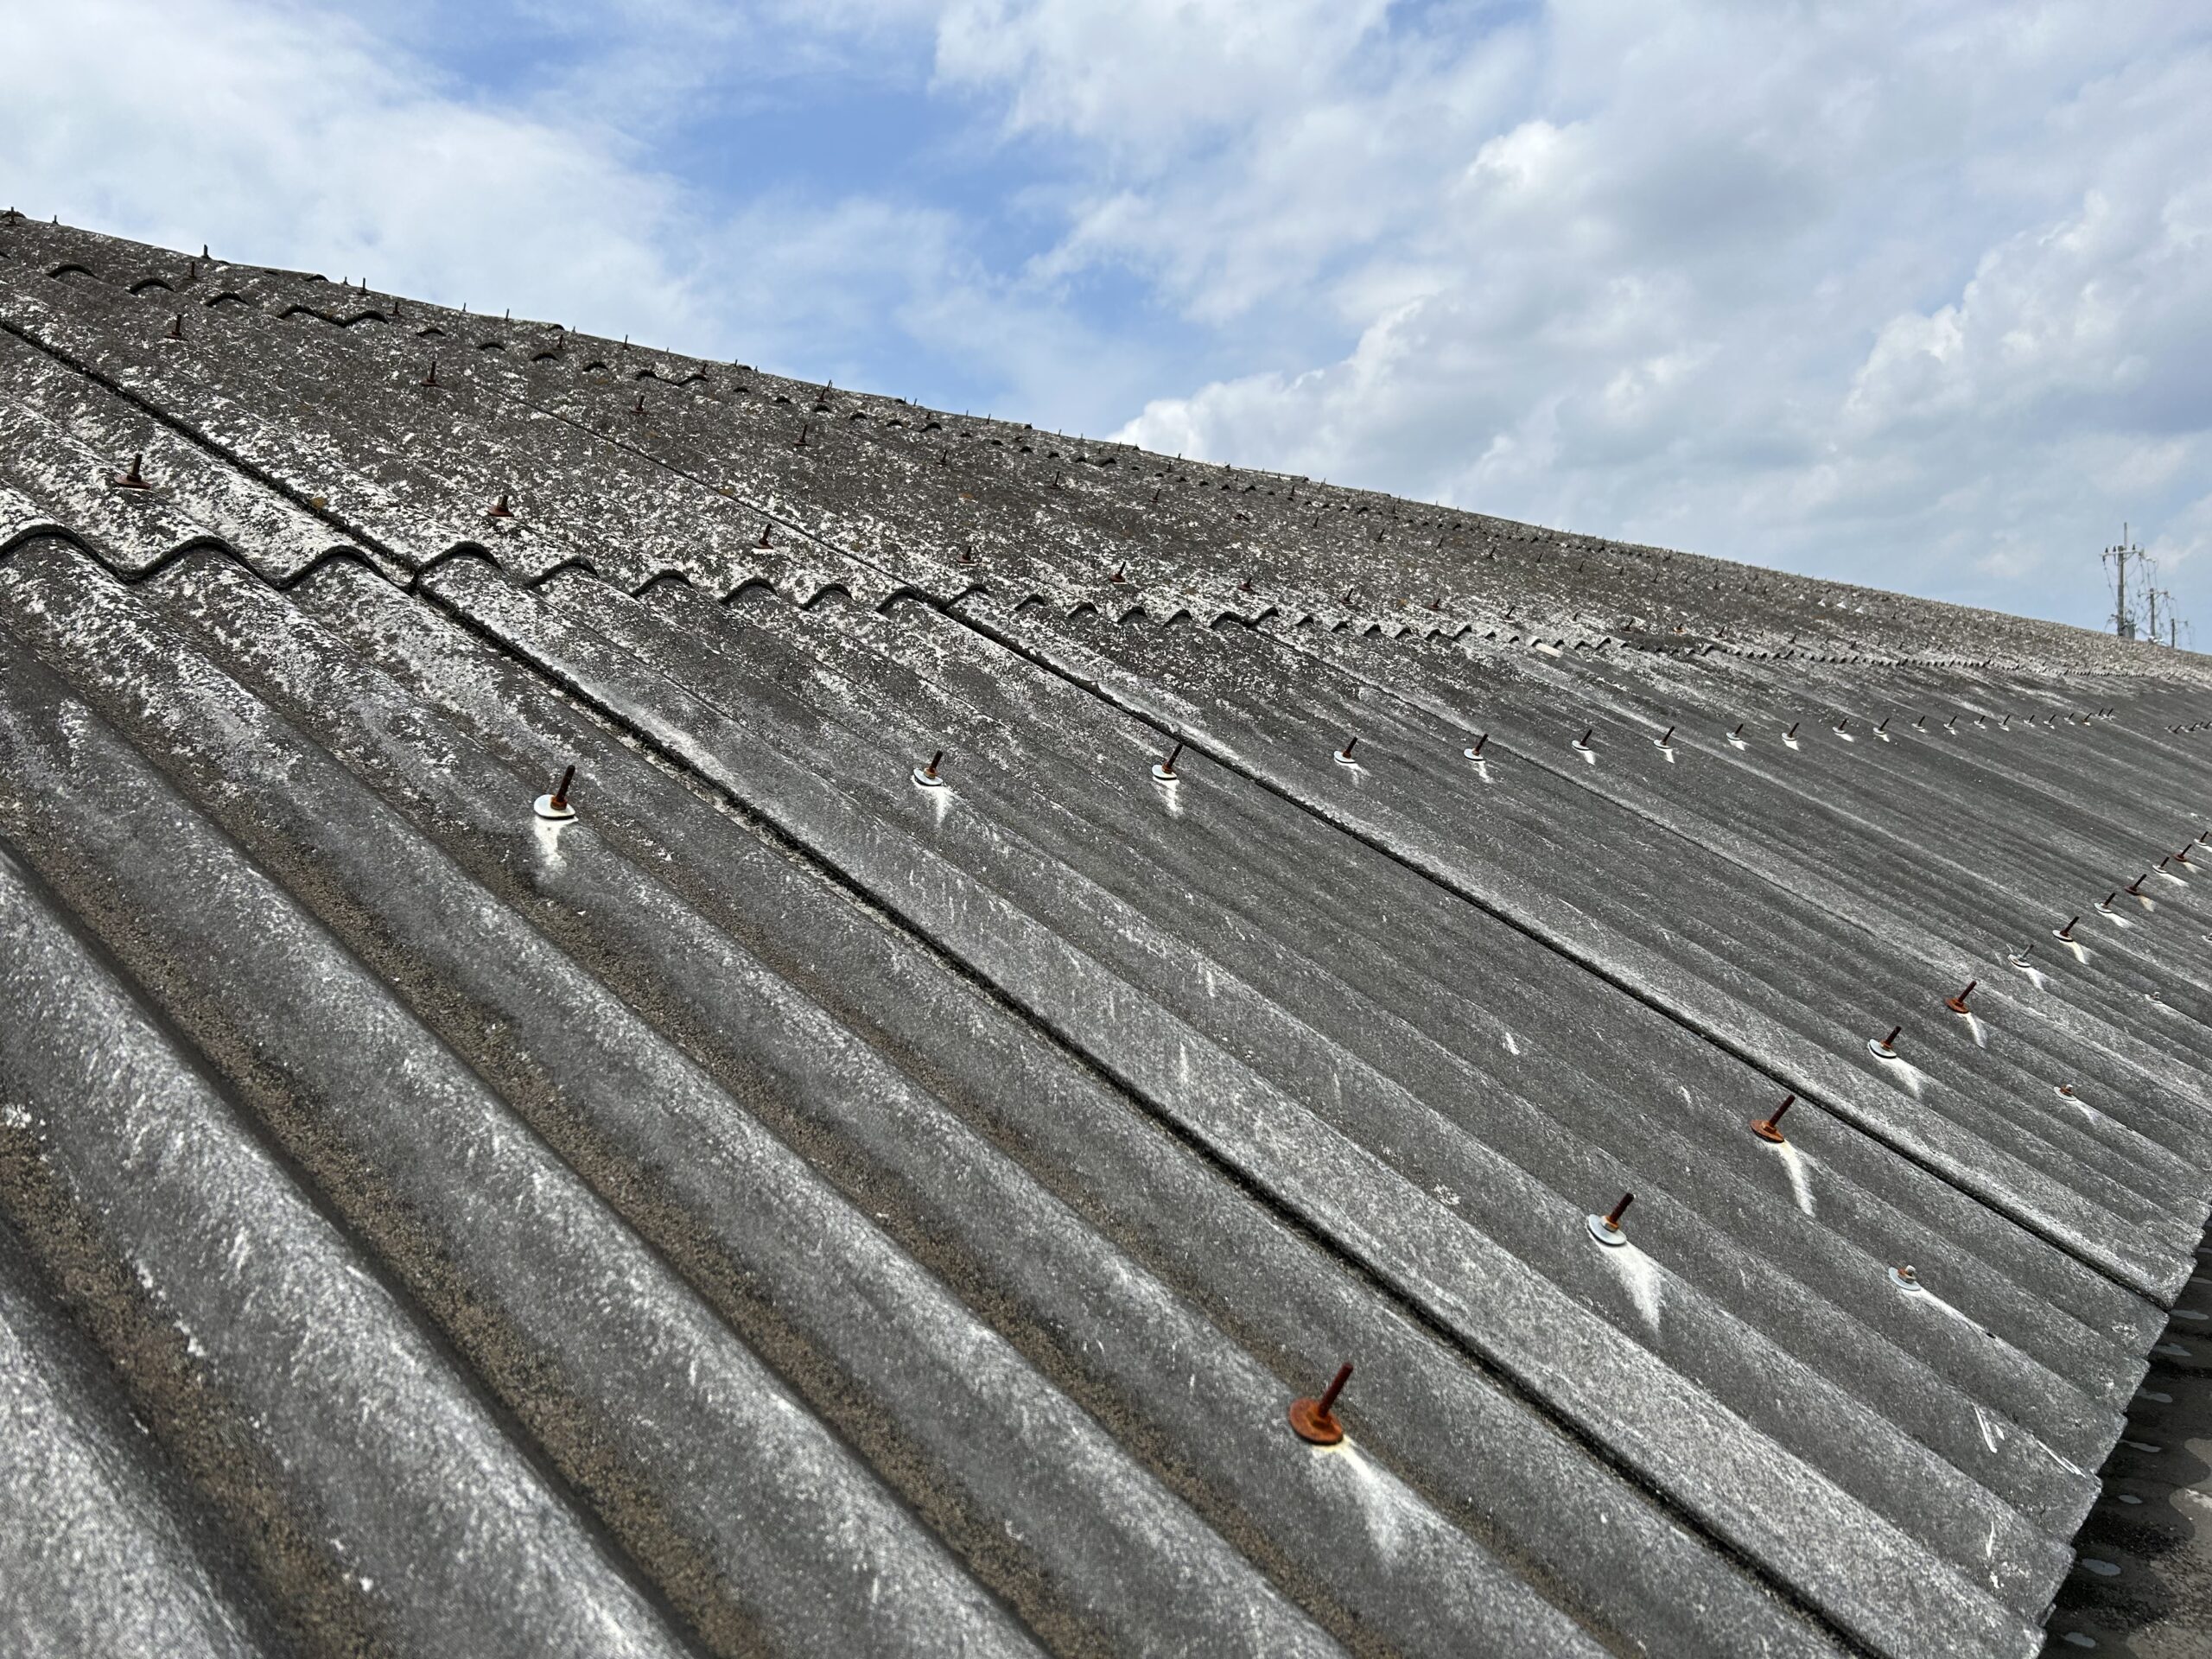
(1801, 1184)
(1641, 1274)
(1389, 1510)
(548, 832)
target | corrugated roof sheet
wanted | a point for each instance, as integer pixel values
(799, 1206)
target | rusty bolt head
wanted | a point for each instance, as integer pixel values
(1312, 1420)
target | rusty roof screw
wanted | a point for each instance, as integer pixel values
(2067, 1090)
(800, 444)
(927, 776)
(431, 378)
(1312, 1420)
(2135, 887)
(177, 326)
(1906, 1277)
(1476, 753)
(1665, 738)
(968, 553)
(1606, 1229)
(1119, 572)
(2182, 857)
(1342, 757)
(1885, 1048)
(1164, 771)
(500, 509)
(1885, 726)
(2104, 905)
(2065, 933)
(1789, 734)
(1958, 1004)
(133, 479)
(1582, 745)
(1245, 586)
(1920, 723)
(1769, 1127)
(764, 541)
(638, 408)
(555, 806)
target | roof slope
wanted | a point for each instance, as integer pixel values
(793, 1207)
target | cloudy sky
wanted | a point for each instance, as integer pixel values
(1913, 293)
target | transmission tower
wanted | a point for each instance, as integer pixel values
(2173, 621)
(2119, 557)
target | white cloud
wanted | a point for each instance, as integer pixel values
(1902, 291)
(289, 135)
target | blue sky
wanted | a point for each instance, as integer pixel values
(1916, 294)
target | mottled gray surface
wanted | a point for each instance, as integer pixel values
(787, 1209)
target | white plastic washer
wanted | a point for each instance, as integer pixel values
(1162, 775)
(545, 808)
(1881, 1051)
(923, 778)
(1611, 1237)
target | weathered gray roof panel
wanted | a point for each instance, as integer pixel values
(791, 1206)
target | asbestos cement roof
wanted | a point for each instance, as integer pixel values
(801, 1204)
